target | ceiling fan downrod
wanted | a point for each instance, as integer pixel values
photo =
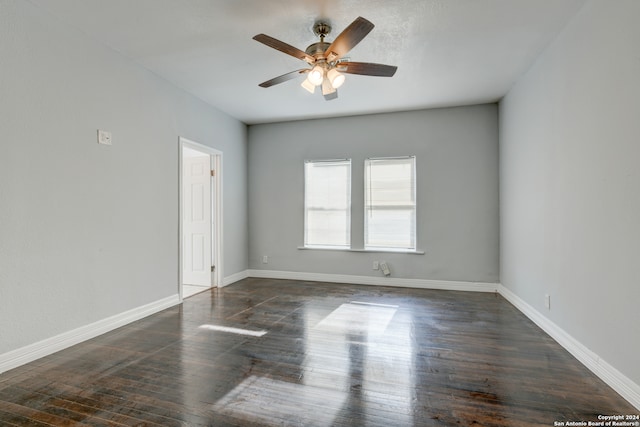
(317, 50)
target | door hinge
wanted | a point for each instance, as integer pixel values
(213, 268)
(213, 173)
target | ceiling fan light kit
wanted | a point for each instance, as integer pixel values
(327, 59)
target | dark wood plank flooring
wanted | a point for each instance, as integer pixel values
(331, 355)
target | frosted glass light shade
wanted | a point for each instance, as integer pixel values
(316, 75)
(308, 85)
(336, 78)
(327, 88)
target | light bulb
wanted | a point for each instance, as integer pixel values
(335, 77)
(316, 75)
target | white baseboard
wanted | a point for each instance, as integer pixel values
(607, 373)
(35, 351)
(377, 281)
(235, 277)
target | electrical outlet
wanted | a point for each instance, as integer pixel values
(265, 259)
(547, 301)
(376, 265)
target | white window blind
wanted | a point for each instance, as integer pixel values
(390, 203)
(327, 204)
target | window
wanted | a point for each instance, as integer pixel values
(327, 204)
(390, 203)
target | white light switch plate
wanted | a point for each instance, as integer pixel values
(104, 137)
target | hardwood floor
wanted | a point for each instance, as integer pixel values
(191, 290)
(288, 353)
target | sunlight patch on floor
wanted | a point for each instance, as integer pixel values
(265, 400)
(233, 330)
(358, 318)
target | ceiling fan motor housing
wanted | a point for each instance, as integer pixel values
(317, 49)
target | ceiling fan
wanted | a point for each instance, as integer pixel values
(326, 60)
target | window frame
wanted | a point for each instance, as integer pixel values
(347, 209)
(413, 207)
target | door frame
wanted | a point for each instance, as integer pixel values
(215, 157)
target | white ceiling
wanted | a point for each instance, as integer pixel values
(448, 52)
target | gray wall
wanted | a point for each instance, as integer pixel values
(457, 179)
(90, 231)
(569, 183)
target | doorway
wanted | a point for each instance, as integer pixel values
(200, 230)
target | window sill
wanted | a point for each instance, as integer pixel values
(386, 251)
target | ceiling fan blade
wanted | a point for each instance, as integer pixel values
(351, 36)
(283, 78)
(367, 69)
(284, 47)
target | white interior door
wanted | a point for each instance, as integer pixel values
(197, 221)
